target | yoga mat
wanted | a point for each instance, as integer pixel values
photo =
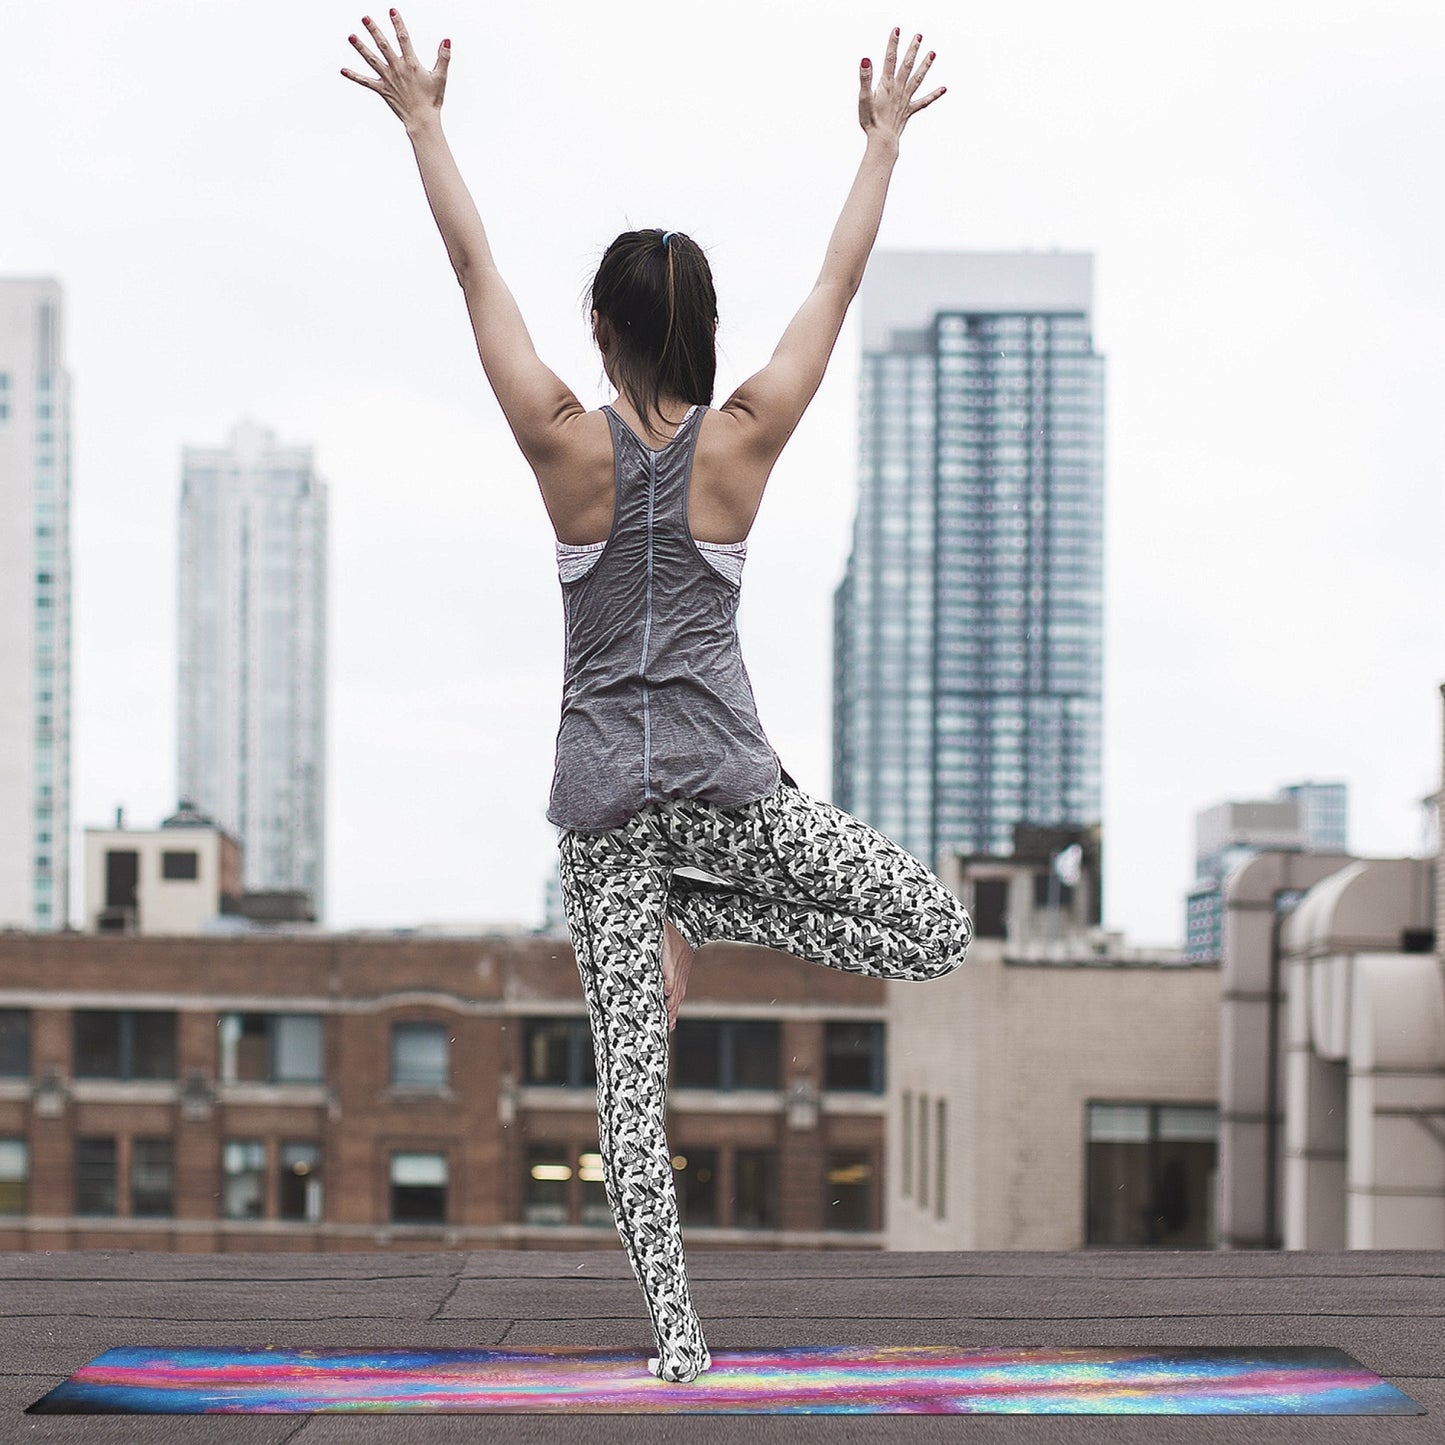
(805, 1380)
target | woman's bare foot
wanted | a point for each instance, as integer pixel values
(677, 958)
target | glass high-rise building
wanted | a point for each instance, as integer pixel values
(35, 607)
(252, 653)
(968, 628)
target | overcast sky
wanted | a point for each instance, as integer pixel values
(241, 232)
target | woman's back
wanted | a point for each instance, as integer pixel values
(656, 701)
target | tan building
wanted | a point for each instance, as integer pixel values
(321, 1092)
(1059, 1090)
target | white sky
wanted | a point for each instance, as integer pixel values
(240, 231)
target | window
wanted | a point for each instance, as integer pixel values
(152, 1178)
(907, 1143)
(418, 1188)
(180, 864)
(922, 1151)
(419, 1055)
(122, 871)
(938, 1175)
(726, 1054)
(243, 1179)
(299, 1196)
(95, 1176)
(271, 1048)
(694, 1172)
(558, 1052)
(14, 1043)
(595, 1208)
(1151, 1175)
(14, 1174)
(124, 1044)
(853, 1056)
(545, 1192)
(755, 1188)
(990, 906)
(848, 1202)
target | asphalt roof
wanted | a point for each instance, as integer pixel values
(60, 1309)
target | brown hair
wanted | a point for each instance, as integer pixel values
(655, 290)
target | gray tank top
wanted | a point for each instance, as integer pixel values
(656, 702)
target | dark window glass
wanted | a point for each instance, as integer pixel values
(558, 1051)
(418, 1188)
(14, 1043)
(96, 1043)
(1050, 891)
(755, 1188)
(695, 1175)
(300, 1191)
(755, 1048)
(697, 1054)
(848, 1202)
(419, 1055)
(152, 1178)
(124, 1044)
(545, 1187)
(95, 1176)
(243, 1179)
(853, 1056)
(1151, 1175)
(990, 907)
(153, 1053)
(726, 1054)
(122, 870)
(180, 865)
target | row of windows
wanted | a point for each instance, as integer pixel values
(139, 1044)
(559, 1187)
(710, 1054)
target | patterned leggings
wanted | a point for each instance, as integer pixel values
(799, 875)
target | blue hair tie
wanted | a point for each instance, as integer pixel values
(667, 236)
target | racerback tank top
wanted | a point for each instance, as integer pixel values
(656, 702)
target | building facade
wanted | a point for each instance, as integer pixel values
(1059, 1091)
(252, 653)
(1307, 817)
(35, 608)
(353, 1091)
(968, 628)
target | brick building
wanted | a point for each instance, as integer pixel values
(344, 1091)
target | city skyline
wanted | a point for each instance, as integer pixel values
(254, 241)
(968, 642)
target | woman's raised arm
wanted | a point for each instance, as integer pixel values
(768, 406)
(534, 400)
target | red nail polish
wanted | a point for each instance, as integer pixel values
(867, 64)
(446, 45)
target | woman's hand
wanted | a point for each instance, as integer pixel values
(402, 81)
(884, 111)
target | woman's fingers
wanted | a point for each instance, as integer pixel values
(374, 30)
(403, 39)
(890, 56)
(909, 56)
(927, 100)
(366, 55)
(918, 74)
(361, 80)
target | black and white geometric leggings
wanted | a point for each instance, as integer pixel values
(798, 875)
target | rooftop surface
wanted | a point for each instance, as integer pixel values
(61, 1309)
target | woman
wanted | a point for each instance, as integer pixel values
(661, 762)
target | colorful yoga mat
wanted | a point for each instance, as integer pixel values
(835, 1379)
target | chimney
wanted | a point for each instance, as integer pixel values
(119, 818)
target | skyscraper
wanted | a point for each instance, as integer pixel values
(968, 628)
(34, 608)
(252, 650)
